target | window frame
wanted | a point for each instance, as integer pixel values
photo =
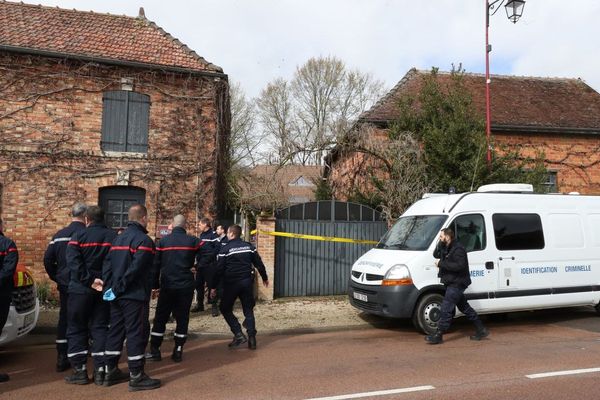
(452, 225)
(541, 226)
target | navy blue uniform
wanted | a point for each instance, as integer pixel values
(55, 262)
(205, 263)
(175, 256)
(454, 274)
(9, 257)
(235, 269)
(88, 314)
(128, 271)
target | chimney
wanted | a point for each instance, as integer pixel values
(141, 14)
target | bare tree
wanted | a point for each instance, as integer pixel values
(394, 168)
(276, 117)
(245, 137)
(306, 116)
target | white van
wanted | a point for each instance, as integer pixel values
(526, 251)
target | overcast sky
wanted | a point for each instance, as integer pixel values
(256, 41)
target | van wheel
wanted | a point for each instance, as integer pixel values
(428, 312)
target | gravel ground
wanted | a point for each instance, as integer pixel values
(309, 314)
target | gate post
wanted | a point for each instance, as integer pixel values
(265, 244)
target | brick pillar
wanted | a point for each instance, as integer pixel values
(265, 244)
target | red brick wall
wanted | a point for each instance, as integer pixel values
(575, 159)
(265, 245)
(352, 169)
(50, 155)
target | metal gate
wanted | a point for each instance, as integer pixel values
(320, 268)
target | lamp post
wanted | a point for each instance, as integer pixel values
(514, 11)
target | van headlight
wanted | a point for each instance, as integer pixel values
(396, 276)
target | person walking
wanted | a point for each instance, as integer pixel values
(88, 315)
(55, 263)
(174, 259)
(454, 273)
(235, 268)
(127, 284)
(9, 257)
(205, 261)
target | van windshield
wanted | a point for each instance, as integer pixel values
(413, 233)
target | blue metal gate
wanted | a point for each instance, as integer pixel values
(320, 268)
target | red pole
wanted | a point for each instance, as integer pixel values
(488, 131)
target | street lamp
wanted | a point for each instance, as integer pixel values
(514, 11)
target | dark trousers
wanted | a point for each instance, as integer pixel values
(61, 330)
(244, 289)
(128, 319)
(455, 297)
(4, 309)
(88, 317)
(178, 302)
(201, 280)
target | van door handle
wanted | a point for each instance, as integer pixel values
(511, 258)
(489, 265)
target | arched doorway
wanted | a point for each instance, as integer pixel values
(116, 200)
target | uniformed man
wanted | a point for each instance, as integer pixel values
(454, 273)
(205, 261)
(175, 256)
(127, 284)
(55, 262)
(88, 314)
(9, 257)
(235, 268)
(221, 231)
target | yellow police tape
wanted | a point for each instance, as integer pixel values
(314, 237)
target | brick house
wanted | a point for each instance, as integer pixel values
(108, 110)
(280, 185)
(559, 116)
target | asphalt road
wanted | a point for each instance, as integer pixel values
(552, 354)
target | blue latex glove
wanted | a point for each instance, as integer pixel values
(109, 295)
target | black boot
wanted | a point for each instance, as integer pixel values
(215, 309)
(141, 381)
(79, 376)
(238, 339)
(154, 354)
(177, 353)
(4, 378)
(252, 342)
(62, 362)
(436, 338)
(99, 376)
(481, 331)
(114, 376)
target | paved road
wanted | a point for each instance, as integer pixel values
(390, 362)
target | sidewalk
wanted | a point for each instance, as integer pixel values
(282, 316)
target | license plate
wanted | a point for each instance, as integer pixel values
(360, 296)
(28, 320)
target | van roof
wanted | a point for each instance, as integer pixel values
(502, 202)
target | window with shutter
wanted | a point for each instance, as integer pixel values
(125, 119)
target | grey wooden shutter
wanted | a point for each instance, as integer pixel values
(114, 121)
(137, 122)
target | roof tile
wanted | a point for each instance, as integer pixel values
(514, 100)
(92, 34)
